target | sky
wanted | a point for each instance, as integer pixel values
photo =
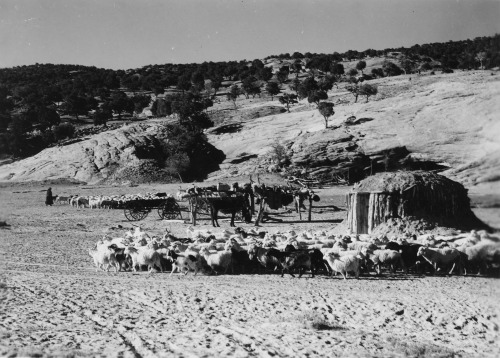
(127, 34)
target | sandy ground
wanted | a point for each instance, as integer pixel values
(54, 303)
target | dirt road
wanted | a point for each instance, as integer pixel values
(54, 303)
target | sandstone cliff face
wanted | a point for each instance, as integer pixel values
(131, 153)
(90, 160)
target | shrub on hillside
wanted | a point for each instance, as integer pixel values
(63, 131)
(391, 69)
(377, 72)
(368, 90)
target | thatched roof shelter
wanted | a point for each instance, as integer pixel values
(415, 195)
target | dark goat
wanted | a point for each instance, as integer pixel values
(229, 205)
(243, 263)
(300, 260)
(260, 254)
(120, 256)
(316, 255)
(410, 257)
(291, 260)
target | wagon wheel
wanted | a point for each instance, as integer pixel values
(170, 210)
(135, 212)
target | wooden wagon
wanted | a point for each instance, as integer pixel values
(139, 209)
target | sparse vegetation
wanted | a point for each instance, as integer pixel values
(233, 94)
(287, 99)
(354, 89)
(326, 110)
(367, 90)
(279, 154)
(64, 131)
(360, 66)
(481, 56)
(273, 89)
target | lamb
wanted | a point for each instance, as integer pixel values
(144, 256)
(437, 257)
(343, 264)
(389, 257)
(220, 259)
(183, 262)
(104, 258)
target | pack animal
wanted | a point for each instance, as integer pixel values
(230, 205)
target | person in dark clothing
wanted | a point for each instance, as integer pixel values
(49, 200)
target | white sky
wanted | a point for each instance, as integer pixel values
(133, 33)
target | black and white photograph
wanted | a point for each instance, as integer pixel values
(250, 178)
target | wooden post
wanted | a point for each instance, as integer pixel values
(261, 212)
(252, 204)
(193, 207)
(310, 209)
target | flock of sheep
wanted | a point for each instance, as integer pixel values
(243, 252)
(104, 201)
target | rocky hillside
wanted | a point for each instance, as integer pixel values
(126, 154)
(448, 121)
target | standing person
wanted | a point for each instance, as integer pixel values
(49, 200)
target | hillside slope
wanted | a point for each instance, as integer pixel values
(452, 120)
(448, 119)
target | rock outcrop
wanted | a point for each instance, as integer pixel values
(129, 153)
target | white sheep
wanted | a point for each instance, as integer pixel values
(359, 245)
(104, 258)
(481, 255)
(343, 264)
(385, 257)
(94, 202)
(438, 257)
(144, 256)
(219, 259)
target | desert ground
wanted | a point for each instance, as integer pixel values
(54, 303)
